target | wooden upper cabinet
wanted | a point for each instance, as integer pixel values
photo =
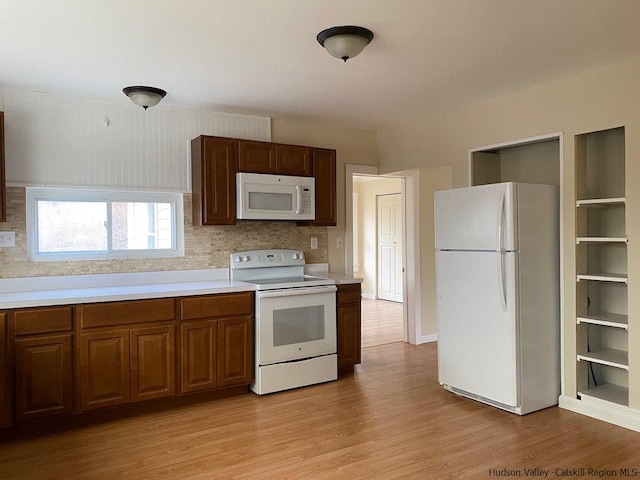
(324, 171)
(274, 158)
(256, 157)
(3, 181)
(214, 163)
(293, 160)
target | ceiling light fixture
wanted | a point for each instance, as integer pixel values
(345, 42)
(144, 97)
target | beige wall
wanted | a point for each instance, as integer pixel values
(595, 100)
(352, 147)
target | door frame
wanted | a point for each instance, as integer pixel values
(411, 306)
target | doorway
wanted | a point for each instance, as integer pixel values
(378, 256)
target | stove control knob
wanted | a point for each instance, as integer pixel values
(301, 256)
(245, 259)
(294, 256)
(238, 259)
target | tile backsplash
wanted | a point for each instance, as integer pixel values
(205, 247)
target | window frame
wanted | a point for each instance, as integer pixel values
(65, 194)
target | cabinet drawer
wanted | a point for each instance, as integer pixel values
(124, 313)
(222, 305)
(349, 293)
(42, 320)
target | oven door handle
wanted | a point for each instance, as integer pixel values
(290, 292)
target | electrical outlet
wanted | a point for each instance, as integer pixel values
(339, 242)
(7, 239)
(314, 243)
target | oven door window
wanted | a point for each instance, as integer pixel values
(298, 325)
(295, 327)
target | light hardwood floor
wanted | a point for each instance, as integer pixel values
(388, 420)
(381, 322)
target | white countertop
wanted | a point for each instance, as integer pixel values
(72, 289)
(337, 277)
(64, 290)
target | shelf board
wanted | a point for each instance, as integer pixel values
(601, 240)
(607, 392)
(600, 202)
(607, 356)
(603, 277)
(606, 319)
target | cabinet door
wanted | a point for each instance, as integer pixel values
(43, 376)
(198, 356)
(293, 160)
(348, 319)
(213, 170)
(324, 171)
(3, 195)
(256, 157)
(4, 389)
(235, 351)
(104, 369)
(152, 362)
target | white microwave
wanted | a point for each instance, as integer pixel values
(275, 197)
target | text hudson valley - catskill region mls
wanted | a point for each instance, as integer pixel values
(581, 472)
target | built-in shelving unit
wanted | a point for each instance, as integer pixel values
(601, 268)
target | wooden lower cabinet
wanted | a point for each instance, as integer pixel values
(235, 351)
(153, 363)
(43, 376)
(348, 326)
(127, 365)
(199, 356)
(104, 369)
(5, 399)
(177, 346)
(216, 353)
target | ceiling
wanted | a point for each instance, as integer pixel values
(261, 56)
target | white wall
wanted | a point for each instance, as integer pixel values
(76, 141)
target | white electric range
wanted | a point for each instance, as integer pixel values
(295, 335)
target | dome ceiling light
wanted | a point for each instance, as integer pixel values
(144, 97)
(345, 42)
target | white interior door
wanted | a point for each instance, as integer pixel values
(390, 247)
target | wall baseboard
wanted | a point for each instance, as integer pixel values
(369, 296)
(428, 338)
(605, 411)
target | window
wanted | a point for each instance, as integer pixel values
(66, 224)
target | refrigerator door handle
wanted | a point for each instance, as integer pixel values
(501, 290)
(500, 215)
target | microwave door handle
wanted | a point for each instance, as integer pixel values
(298, 199)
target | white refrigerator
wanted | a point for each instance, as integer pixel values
(498, 294)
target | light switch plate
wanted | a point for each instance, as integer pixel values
(339, 242)
(7, 239)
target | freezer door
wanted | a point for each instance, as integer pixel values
(477, 324)
(476, 218)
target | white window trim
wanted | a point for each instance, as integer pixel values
(33, 194)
